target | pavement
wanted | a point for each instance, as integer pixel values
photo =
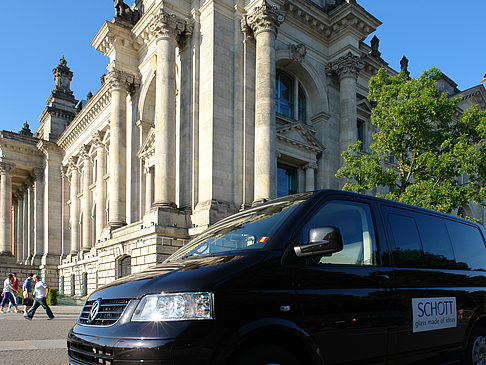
(36, 342)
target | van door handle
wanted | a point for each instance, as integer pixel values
(381, 276)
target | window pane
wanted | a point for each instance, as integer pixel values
(468, 246)
(286, 180)
(356, 227)
(408, 250)
(302, 105)
(284, 94)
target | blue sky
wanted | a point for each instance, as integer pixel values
(443, 33)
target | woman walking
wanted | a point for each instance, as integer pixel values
(7, 294)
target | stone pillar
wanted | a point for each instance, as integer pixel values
(86, 199)
(149, 187)
(25, 219)
(39, 192)
(29, 240)
(117, 183)
(20, 227)
(5, 209)
(133, 166)
(100, 184)
(166, 30)
(66, 234)
(74, 208)
(264, 22)
(309, 176)
(15, 223)
(347, 69)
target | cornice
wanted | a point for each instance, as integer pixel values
(346, 17)
(86, 116)
(113, 35)
(313, 144)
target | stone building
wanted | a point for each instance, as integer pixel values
(206, 108)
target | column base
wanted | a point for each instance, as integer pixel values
(116, 224)
(50, 259)
(259, 201)
(36, 260)
(211, 211)
(164, 205)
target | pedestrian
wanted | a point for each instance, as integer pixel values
(27, 289)
(15, 290)
(7, 294)
(40, 290)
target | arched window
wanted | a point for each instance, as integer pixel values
(290, 98)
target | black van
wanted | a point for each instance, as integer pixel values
(327, 277)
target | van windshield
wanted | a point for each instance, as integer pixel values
(248, 230)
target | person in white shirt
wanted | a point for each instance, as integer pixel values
(40, 292)
(7, 294)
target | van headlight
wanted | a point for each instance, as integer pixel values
(174, 307)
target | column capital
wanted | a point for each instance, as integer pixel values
(98, 139)
(64, 170)
(166, 25)
(6, 167)
(72, 164)
(38, 174)
(263, 18)
(117, 79)
(84, 152)
(311, 165)
(345, 66)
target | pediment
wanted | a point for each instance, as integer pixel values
(475, 95)
(299, 135)
(148, 147)
(365, 106)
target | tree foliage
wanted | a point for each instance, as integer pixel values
(435, 147)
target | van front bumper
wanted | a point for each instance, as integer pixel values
(85, 349)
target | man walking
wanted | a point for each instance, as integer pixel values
(15, 290)
(41, 290)
(7, 294)
(27, 290)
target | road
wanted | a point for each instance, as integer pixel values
(36, 342)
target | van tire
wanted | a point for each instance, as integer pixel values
(266, 355)
(476, 347)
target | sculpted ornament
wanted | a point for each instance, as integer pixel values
(297, 52)
(345, 66)
(117, 79)
(266, 17)
(167, 25)
(5, 167)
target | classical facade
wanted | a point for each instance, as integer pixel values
(206, 108)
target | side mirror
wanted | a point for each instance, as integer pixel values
(322, 241)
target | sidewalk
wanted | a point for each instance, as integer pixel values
(36, 342)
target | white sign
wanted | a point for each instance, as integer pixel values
(433, 313)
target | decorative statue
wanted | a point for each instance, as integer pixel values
(123, 11)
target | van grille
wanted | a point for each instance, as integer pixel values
(90, 354)
(109, 312)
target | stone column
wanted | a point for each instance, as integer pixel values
(20, 227)
(167, 29)
(149, 187)
(74, 208)
(347, 69)
(30, 239)
(117, 183)
(86, 199)
(66, 234)
(6, 209)
(310, 169)
(25, 218)
(39, 193)
(100, 184)
(264, 22)
(15, 221)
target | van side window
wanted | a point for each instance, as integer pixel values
(408, 249)
(438, 253)
(468, 246)
(356, 226)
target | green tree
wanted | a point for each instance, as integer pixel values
(432, 145)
